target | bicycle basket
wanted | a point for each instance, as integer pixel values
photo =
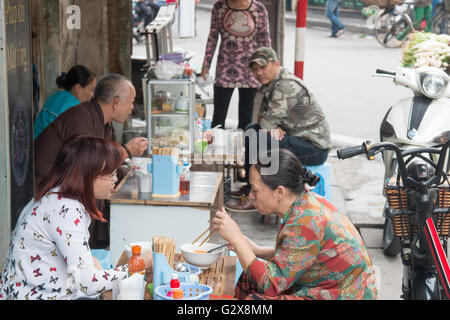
(397, 199)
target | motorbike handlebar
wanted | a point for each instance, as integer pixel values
(350, 152)
(384, 72)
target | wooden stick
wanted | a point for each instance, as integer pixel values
(210, 234)
(200, 236)
(117, 188)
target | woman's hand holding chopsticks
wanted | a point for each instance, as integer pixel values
(227, 227)
(230, 232)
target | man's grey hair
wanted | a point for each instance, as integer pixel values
(110, 87)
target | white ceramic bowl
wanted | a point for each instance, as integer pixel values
(201, 260)
(145, 246)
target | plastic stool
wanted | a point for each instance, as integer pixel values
(239, 269)
(323, 188)
(104, 257)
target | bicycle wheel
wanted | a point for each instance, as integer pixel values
(439, 23)
(391, 30)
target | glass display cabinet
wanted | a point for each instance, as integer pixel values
(170, 114)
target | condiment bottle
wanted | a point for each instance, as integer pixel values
(178, 293)
(174, 284)
(185, 180)
(136, 264)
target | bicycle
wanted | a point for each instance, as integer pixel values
(392, 26)
(419, 208)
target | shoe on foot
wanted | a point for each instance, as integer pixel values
(244, 204)
(245, 189)
(340, 33)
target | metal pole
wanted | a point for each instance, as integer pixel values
(300, 34)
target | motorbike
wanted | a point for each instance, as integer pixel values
(417, 121)
(138, 24)
(419, 208)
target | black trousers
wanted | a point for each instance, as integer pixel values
(222, 97)
(304, 150)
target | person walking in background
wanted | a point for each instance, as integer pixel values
(243, 26)
(422, 12)
(332, 13)
(76, 86)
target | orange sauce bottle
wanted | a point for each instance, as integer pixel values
(136, 264)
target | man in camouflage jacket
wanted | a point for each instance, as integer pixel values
(286, 109)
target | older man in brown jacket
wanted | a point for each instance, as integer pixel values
(113, 101)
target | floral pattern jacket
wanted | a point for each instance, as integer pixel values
(241, 33)
(319, 255)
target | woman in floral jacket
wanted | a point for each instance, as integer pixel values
(318, 254)
(243, 26)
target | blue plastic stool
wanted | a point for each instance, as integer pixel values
(239, 269)
(104, 257)
(323, 188)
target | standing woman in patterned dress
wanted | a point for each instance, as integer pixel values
(243, 26)
(49, 256)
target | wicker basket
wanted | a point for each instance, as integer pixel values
(397, 199)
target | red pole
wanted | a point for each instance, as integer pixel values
(300, 34)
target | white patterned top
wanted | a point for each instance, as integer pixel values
(49, 256)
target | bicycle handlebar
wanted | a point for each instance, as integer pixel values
(369, 148)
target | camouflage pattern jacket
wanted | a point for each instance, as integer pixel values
(288, 104)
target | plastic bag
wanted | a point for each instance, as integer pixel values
(166, 70)
(204, 83)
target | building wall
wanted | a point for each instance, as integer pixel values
(5, 215)
(56, 46)
(102, 41)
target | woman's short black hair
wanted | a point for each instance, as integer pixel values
(290, 174)
(77, 75)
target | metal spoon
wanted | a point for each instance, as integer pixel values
(181, 267)
(127, 243)
(214, 249)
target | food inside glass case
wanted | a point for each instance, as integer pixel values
(179, 137)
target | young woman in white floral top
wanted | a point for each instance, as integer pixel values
(49, 256)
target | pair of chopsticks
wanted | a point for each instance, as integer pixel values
(117, 188)
(210, 233)
(206, 239)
